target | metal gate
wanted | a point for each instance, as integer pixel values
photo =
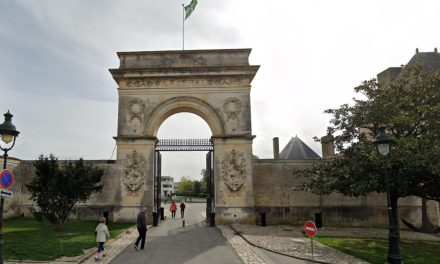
(185, 145)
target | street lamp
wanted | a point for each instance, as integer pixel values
(383, 141)
(8, 134)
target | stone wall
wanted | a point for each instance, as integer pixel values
(108, 200)
(275, 195)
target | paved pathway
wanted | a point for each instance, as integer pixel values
(171, 243)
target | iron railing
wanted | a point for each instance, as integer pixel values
(184, 145)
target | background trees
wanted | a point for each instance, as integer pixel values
(410, 109)
(194, 188)
(56, 189)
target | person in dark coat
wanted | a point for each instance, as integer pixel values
(142, 228)
(182, 209)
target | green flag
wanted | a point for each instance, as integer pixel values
(190, 8)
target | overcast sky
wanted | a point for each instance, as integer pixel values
(55, 56)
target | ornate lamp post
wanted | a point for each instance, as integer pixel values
(383, 141)
(8, 134)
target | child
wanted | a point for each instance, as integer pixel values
(101, 235)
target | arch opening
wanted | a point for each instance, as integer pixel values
(185, 105)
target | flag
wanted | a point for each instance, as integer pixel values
(190, 8)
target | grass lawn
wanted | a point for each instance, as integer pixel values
(376, 250)
(28, 239)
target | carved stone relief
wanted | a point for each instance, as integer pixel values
(233, 169)
(184, 60)
(135, 116)
(136, 109)
(232, 109)
(159, 83)
(134, 172)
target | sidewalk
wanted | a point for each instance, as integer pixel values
(171, 243)
(198, 244)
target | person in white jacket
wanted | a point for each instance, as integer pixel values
(101, 235)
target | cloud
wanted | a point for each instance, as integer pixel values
(56, 54)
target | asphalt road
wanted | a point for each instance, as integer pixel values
(171, 243)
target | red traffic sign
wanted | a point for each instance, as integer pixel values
(310, 228)
(6, 179)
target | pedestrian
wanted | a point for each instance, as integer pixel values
(173, 209)
(182, 209)
(102, 234)
(142, 228)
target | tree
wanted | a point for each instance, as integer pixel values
(186, 186)
(205, 175)
(197, 187)
(56, 189)
(410, 109)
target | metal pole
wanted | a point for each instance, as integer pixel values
(394, 256)
(311, 241)
(2, 202)
(183, 27)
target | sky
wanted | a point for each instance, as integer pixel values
(55, 57)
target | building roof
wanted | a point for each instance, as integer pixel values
(430, 62)
(296, 149)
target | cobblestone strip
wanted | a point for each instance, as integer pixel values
(243, 249)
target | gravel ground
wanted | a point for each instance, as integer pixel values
(290, 241)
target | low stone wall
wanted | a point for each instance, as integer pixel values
(276, 197)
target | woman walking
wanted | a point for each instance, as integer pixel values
(173, 209)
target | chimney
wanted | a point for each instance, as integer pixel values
(328, 147)
(276, 148)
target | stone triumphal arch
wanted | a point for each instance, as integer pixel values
(213, 84)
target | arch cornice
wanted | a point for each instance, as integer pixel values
(181, 104)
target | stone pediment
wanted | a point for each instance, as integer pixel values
(184, 58)
(152, 69)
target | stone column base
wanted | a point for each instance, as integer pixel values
(235, 215)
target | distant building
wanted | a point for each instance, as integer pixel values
(296, 149)
(167, 185)
(430, 62)
(176, 185)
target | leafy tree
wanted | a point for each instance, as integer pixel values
(410, 109)
(186, 186)
(56, 189)
(255, 156)
(197, 187)
(205, 175)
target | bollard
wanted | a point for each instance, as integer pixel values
(162, 214)
(212, 220)
(318, 219)
(105, 214)
(183, 222)
(155, 219)
(263, 219)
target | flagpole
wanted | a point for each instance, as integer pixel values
(183, 27)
